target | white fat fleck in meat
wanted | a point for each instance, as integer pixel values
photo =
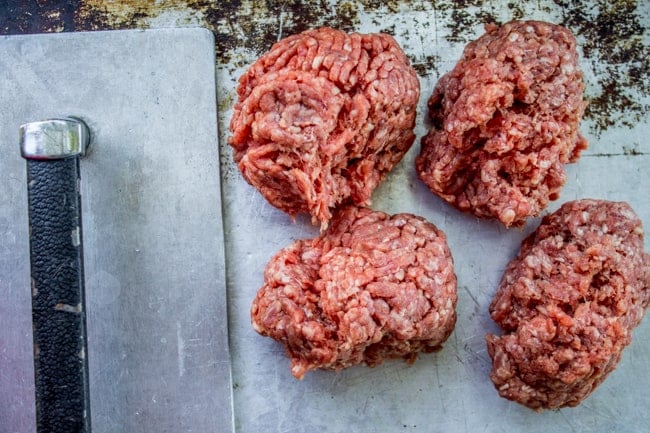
(532, 262)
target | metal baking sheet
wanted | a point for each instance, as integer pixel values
(448, 391)
(152, 227)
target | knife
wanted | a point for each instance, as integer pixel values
(52, 149)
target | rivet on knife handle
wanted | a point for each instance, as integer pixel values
(52, 149)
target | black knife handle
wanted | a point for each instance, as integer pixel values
(58, 305)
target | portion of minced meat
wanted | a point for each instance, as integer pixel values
(322, 118)
(505, 120)
(568, 304)
(371, 287)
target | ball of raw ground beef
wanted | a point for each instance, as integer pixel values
(322, 118)
(568, 303)
(505, 120)
(371, 287)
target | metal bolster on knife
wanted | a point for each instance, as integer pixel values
(52, 149)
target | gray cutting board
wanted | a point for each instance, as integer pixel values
(152, 228)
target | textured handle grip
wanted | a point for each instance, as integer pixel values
(59, 326)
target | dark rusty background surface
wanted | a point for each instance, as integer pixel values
(614, 45)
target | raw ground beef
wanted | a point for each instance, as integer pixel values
(371, 287)
(322, 118)
(568, 303)
(505, 120)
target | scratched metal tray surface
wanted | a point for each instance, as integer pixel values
(450, 390)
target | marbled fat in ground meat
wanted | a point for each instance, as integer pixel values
(568, 304)
(371, 287)
(505, 120)
(322, 118)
